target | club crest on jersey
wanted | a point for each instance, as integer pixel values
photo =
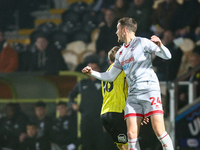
(122, 138)
(132, 48)
(120, 53)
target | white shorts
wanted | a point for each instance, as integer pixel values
(143, 105)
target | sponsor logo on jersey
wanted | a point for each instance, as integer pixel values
(122, 138)
(127, 61)
(125, 66)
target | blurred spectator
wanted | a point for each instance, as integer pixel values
(33, 141)
(162, 16)
(46, 57)
(8, 56)
(7, 9)
(90, 108)
(182, 20)
(141, 11)
(41, 120)
(12, 126)
(107, 38)
(64, 130)
(167, 70)
(102, 5)
(194, 60)
(120, 8)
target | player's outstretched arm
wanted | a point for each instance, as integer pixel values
(109, 76)
(164, 52)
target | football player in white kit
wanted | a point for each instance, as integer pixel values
(144, 98)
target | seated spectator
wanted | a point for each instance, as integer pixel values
(64, 130)
(182, 23)
(11, 128)
(120, 8)
(161, 19)
(33, 141)
(8, 56)
(141, 12)
(46, 57)
(194, 60)
(167, 70)
(107, 38)
(41, 120)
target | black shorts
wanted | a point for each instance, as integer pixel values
(115, 125)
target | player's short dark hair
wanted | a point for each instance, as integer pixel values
(129, 23)
(112, 52)
(61, 103)
(40, 104)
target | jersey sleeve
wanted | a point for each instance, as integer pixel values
(151, 46)
(117, 63)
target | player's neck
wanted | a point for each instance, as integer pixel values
(129, 38)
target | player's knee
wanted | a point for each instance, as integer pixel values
(131, 135)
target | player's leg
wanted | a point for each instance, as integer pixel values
(158, 126)
(133, 127)
(115, 125)
(133, 115)
(153, 108)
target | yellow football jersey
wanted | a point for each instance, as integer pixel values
(114, 94)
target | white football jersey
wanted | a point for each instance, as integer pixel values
(135, 59)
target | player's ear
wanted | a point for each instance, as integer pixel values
(124, 30)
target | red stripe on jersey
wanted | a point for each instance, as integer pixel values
(155, 50)
(163, 137)
(133, 142)
(126, 45)
(154, 112)
(117, 67)
(133, 115)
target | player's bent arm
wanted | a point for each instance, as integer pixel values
(108, 76)
(163, 52)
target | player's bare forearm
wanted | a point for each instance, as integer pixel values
(87, 70)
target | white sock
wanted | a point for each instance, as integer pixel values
(166, 141)
(133, 144)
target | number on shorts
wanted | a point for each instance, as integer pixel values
(155, 101)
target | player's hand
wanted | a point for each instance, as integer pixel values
(145, 121)
(156, 40)
(87, 70)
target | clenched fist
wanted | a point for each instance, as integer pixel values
(87, 70)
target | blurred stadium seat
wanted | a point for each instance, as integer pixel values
(71, 59)
(77, 47)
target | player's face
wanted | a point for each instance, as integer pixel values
(119, 33)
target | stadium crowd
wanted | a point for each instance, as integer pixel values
(175, 22)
